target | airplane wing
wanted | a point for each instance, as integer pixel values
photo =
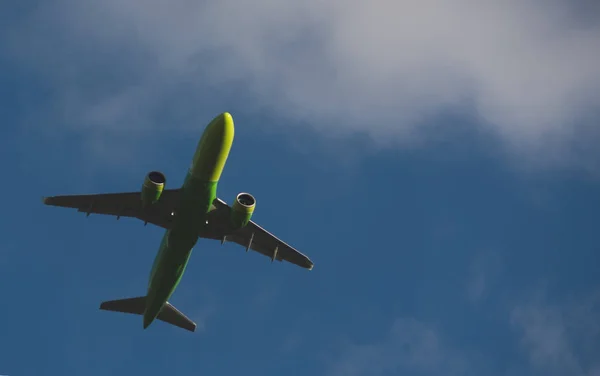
(252, 236)
(127, 204)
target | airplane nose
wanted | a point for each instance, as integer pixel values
(224, 117)
(213, 148)
(220, 131)
(222, 123)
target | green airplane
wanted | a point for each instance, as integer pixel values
(188, 213)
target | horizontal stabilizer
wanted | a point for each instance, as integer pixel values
(131, 305)
(168, 313)
(173, 316)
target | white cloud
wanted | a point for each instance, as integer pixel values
(410, 347)
(483, 274)
(530, 68)
(560, 339)
(477, 284)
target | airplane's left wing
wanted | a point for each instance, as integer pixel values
(128, 204)
(252, 236)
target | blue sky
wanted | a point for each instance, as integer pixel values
(450, 209)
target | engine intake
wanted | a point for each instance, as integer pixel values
(153, 186)
(242, 210)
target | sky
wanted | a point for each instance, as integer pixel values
(436, 160)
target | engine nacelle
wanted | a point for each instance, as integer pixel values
(153, 186)
(242, 210)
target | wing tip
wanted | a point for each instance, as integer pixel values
(45, 200)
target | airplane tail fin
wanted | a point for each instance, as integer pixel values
(168, 313)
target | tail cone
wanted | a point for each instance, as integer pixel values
(147, 321)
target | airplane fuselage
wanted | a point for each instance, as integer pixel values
(198, 192)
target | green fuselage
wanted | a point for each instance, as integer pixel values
(198, 192)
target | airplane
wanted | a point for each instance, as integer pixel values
(188, 213)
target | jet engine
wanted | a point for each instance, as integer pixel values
(242, 210)
(153, 186)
